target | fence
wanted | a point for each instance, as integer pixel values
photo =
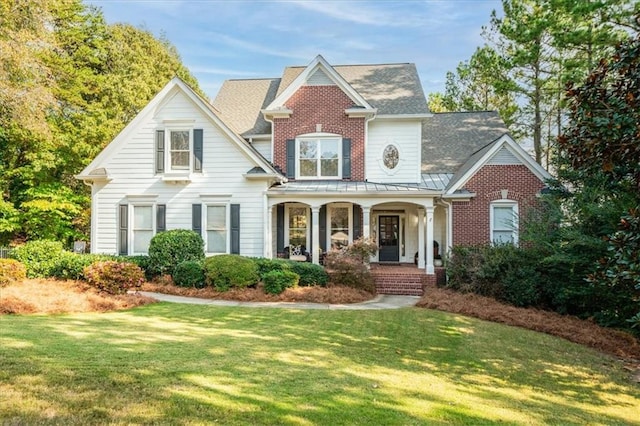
(4, 252)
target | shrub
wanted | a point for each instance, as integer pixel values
(275, 282)
(114, 277)
(267, 265)
(168, 249)
(39, 257)
(141, 260)
(348, 270)
(310, 274)
(230, 270)
(189, 273)
(11, 271)
(70, 266)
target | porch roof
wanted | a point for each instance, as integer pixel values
(431, 183)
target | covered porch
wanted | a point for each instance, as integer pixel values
(409, 224)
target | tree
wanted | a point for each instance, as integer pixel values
(68, 84)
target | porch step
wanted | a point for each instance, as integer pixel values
(399, 280)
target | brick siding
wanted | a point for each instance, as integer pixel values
(404, 280)
(471, 219)
(325, 105)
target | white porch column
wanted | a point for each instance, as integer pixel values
(366, 222)
(430, 270)
(268, 234)
(315, 234)
(421, 238)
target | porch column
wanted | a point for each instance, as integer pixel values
(315, 234)
(268, 232)
(366, 222)
(430, 270)
(421, 238)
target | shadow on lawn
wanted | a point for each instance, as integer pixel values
(186, 364)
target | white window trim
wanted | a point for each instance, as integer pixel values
(330, 208)
(286, 224)
(130, 225)
(318, 136)
(514, 207)
(205, 230)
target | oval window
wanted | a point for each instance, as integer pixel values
(390, 157)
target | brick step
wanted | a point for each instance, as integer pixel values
(399, 284)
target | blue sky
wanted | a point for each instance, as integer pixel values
(220, 40)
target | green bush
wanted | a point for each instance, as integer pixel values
(189, 273)
(230, 270)
(168, 249)
(114, 277)
(39, 257)
(70, 266)
(11, 271)
(310, 274)
(275, 282)
(267, 265)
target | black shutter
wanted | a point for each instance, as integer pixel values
(346, 158)
(159, 151)
(123, 225)
(357, 222)
(235, 228)
(280, 228)
(291, 158)
(197, 150)
(196, 218)
(322, 221)
(161, 218)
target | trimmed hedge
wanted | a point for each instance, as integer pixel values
(169, 248)
(230, 270)
(275, 282)
(70, 266)
(39, 257)
(189, 273)
(11, 271)
(114, 277)
(267, 265)
(310, 274)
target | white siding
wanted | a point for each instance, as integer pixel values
(263, 147)
(504, 157)
(132, 171)
(406, 136)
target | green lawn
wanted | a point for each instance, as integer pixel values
(187, 364)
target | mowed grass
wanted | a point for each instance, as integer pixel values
(188, 364)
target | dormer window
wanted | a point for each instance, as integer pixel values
(319, 158)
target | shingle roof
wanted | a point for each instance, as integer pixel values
(391, 88)
(240, 102)
(450, 139)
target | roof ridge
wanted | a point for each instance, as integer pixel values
(356, 65)
(464, 112)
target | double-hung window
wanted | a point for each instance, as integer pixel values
(504, 222)
(216, 226)
(319, 158)
(340, 225)
(142, 228)
(179, 151)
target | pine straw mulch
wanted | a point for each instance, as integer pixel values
(314, 294)
(584, 332)
(46, 296)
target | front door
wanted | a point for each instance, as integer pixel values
(389, 232)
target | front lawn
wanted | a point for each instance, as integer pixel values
(190, 364)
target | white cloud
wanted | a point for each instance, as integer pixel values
(222, 71)
(258, 48)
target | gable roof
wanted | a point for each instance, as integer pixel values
(448, 139)
(393, 89)
(175, 84)
(318, 63)
(484, 156)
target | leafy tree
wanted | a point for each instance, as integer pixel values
(68, 84)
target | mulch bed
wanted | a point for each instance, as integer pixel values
(584, 332)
